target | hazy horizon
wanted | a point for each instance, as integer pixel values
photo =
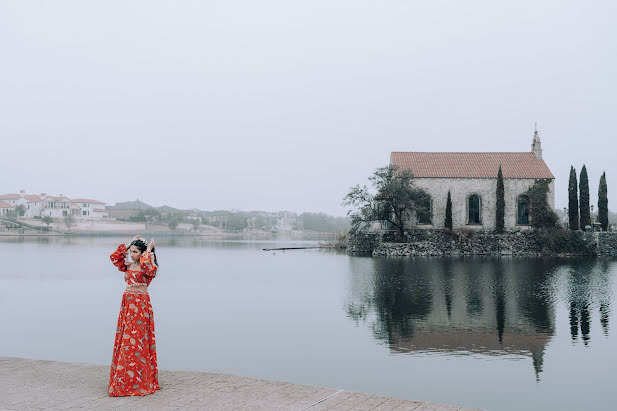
(277, 105)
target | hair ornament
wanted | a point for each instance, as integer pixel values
(143, 240)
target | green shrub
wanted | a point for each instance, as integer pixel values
(559, 241)
(541, 214)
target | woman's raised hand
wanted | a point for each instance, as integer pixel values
(134, 238)
(150, 245)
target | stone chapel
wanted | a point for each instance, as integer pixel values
(471, 179)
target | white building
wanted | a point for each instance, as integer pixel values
(42, 205)
(90, 208)
(11, 199)
(33, 204)
(55, 206)
(471, 179)
(6, 208)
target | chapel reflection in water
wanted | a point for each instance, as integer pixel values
(473, 305)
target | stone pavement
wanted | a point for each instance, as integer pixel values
(34, 384)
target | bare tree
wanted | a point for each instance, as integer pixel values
(68, 221)
(196, 224)
(395, 200)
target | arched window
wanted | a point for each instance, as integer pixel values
(425, 212)
(473, 209)
(522, 214)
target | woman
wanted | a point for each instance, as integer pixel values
(133, 367)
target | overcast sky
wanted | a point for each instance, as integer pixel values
(283, 105)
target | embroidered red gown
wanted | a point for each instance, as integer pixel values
(133, 367)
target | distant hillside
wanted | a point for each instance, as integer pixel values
(167, 209)
(130, 205)
(234, 219)
(140, 205)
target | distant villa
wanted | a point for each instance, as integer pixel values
(42, 205)
(471, 179)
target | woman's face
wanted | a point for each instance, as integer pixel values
(135, 253)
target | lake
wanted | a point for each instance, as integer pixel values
(498, 334)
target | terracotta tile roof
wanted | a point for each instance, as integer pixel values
(471, 165)
(33, 197)
(4, 204)
(10, 197)
(85, 200)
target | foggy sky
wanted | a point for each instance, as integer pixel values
(283, 105)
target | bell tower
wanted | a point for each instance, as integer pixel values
(536, 145)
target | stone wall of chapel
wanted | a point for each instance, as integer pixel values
(462, 188)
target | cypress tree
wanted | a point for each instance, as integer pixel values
(448, 222)
(603, 203)
(573, 200)
(583, 191)
(501, 203)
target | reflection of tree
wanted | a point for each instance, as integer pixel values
(358, 311)
(448, 284)
(360, 301)
(605, 295)
(573, 321)
(580, 290)
(604, 311)
(500, 299)
(585, 326)
(401, 294)
(473, 291)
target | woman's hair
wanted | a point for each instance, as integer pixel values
(139, 243)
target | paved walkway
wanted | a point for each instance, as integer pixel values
(34, 384)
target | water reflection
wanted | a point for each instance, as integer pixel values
(475, 306)
(588, 286)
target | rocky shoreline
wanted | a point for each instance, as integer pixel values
(437, 243)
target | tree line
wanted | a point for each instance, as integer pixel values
(579, 215)
(243, 220)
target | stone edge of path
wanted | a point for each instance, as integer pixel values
(53, 385)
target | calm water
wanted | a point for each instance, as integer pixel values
(499, 334)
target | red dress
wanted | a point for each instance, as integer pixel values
(133, 367)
